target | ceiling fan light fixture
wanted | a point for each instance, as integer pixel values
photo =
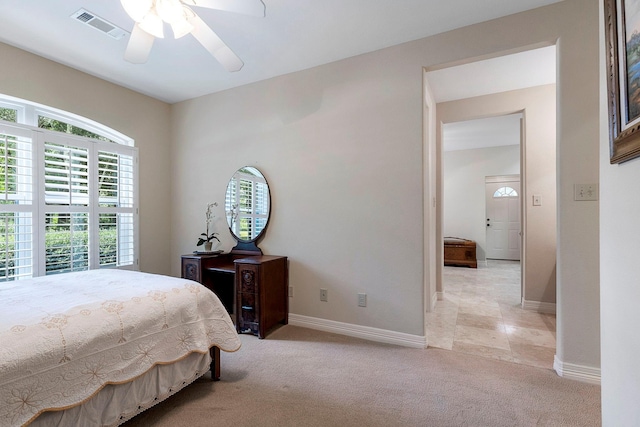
(152, 24)
(137, 9)
(150, 16)
(170, 10)
(181, 28)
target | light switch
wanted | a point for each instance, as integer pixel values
(537, 200)
(585, 192)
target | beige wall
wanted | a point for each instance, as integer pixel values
(342, 147)
(539, 175)
(578, 264)
(144, 119)
(344, 163)
(464, 190)
(619, 275)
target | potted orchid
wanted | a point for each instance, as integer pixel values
(206, 238)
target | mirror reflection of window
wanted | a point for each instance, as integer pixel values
(247, 203)
(505, 192)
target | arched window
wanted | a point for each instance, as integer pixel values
(68, 198)
(505, 192)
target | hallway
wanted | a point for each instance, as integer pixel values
(481, 315)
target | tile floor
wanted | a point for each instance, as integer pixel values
(481, 314)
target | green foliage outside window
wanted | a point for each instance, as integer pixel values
(58, 256)
(58, 126)
(7, 166)
(9, 115)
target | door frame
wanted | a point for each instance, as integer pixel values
(498, 179)
(433, 141)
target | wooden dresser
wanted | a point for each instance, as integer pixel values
(261, 294)
(253, 289)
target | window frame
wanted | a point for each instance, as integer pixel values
(119, 144)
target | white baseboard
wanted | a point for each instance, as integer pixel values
(357, 331)
(440, 295)
(585, 374)
(540, 307)
(434, 299)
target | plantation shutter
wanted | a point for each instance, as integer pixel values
(66, 180)
(89, 205)
(67, 242)
(67, 212)
(245, 198)
(16, 203)
(261, 203)
(116, 213)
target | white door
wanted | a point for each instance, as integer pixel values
(503, 220)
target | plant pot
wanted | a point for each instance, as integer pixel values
(207, 246)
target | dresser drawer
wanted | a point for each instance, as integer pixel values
(248, 279)
(191, 269)
(261, 293)
(248, 305)
(248, 313)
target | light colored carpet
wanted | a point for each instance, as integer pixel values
(301, 377)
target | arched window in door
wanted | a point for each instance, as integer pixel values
(505, 192)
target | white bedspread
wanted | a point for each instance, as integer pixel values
(63, 337)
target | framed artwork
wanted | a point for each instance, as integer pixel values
(622, 31)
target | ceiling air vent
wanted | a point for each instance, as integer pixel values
(99, 24)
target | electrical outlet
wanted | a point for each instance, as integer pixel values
(290, 291)
(324, 295)
(585, 192)
(362, 300)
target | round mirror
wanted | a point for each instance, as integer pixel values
(247, 205)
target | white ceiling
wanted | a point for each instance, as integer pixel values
(518, 71)
(497, 131)
(511, 72)
(295, 35)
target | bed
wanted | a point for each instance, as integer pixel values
(104, 343)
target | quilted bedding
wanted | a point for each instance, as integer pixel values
(64, 337)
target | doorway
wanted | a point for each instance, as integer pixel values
(537, 159)
(514, 83)
(474, 150)
(481, 195)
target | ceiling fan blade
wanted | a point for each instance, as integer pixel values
(139, 46)
(246, 7)
(215, 45)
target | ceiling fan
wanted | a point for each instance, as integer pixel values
(150, 16)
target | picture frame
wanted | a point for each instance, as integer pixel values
(623, 78)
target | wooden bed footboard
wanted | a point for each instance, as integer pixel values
(215, 363)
